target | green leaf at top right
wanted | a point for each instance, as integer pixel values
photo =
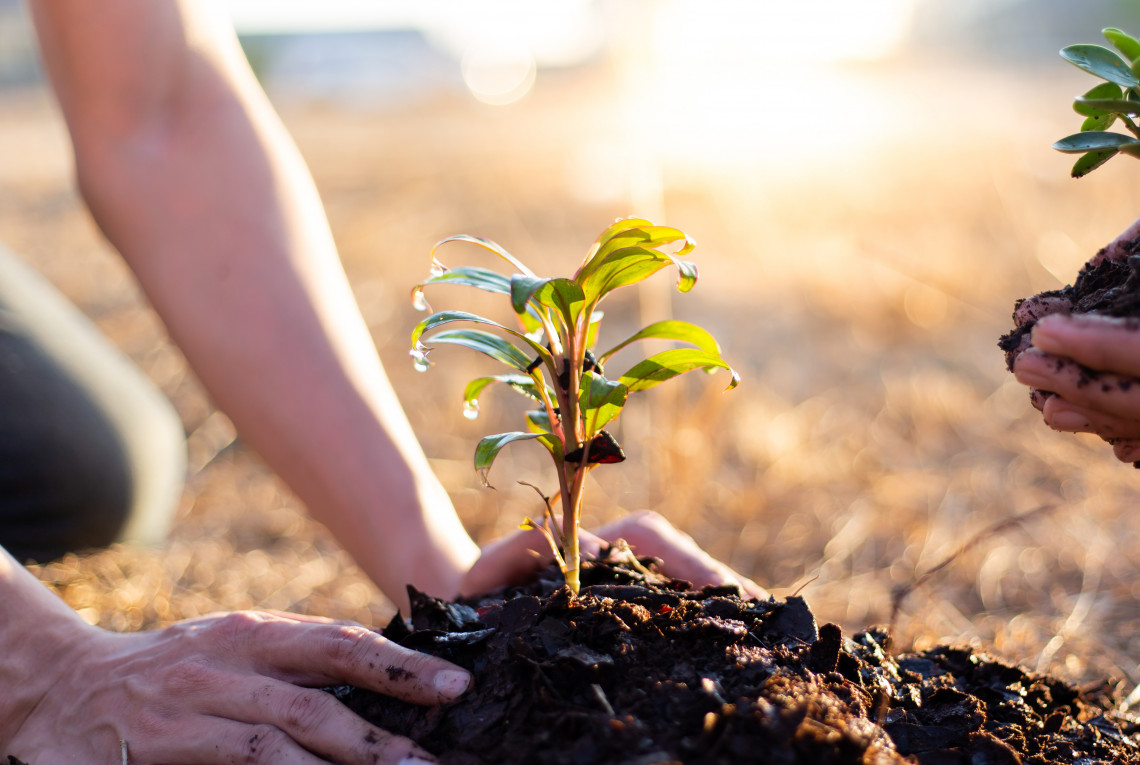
(1101, 62)
(1124, 42)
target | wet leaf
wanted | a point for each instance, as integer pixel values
(1093, 140)
(446, 317)
(630, 265)
(669, 330)
(668, 364)
(643, 234)
(1101, 62)
(524, 384)
(486, 343)
(479, 278)
(486, 244)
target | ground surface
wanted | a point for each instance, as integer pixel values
(860, 298)
(641, 670)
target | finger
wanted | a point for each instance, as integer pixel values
(1106, 343)
(1107, 393)
(1127, 450)
(513, 559)
(649, 533)
(217, 741)
(329, 654)
(314, 719)
(1121, 247)
(1066, 416)
(1038, 398)
(1037, 307)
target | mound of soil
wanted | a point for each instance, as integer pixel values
(640, 669)
(1110, 288)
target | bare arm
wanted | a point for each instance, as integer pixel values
(191, 176)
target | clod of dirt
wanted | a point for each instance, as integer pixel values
(642, 670)
(1110, 288)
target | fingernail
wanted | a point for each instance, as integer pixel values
(451, 683)
(1072, 422)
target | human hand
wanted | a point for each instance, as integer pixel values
(1106, 402)
(230, 688)
(517, 556)
(1083, 369)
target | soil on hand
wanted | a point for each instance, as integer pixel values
(640, 669)
(1110, 288)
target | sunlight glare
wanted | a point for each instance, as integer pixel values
(745, 80)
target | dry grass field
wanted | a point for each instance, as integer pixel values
(857, 271)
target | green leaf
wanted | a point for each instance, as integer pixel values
(635, 233)
(1103, 91)
(472, 276)
(445, 317)
(668, 364)
(539, 421)
(668, 330)
(630, 265)
(617, 227)
(563, 295)
(521, 383)
(486, 343)
(489, 447)
(1125, 43)
(1101, 62)
(1091, 161)
(1102, 122)
(593, 327)
(486, 244)
(1093, 140)
(1093, 107)
(600, 401)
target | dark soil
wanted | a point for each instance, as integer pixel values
(640, 669)
(1111, 288)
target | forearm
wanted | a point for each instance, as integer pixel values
(38, 632)
(209, 201)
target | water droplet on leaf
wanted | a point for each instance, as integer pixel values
(437, 268)
(471, 409)
(419, 302)
(420, 360)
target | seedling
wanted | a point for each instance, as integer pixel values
(1115, 99)
(552, 361)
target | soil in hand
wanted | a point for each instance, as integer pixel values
(1109, 288)
(639, 669)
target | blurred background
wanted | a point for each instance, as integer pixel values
(871, 187)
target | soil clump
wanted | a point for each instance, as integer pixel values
(1109, 288)
(640, 669)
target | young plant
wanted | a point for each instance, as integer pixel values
(1115, 99)
(551, 359)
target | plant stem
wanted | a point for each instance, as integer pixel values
(571, 517)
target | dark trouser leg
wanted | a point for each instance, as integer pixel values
(90, 451)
